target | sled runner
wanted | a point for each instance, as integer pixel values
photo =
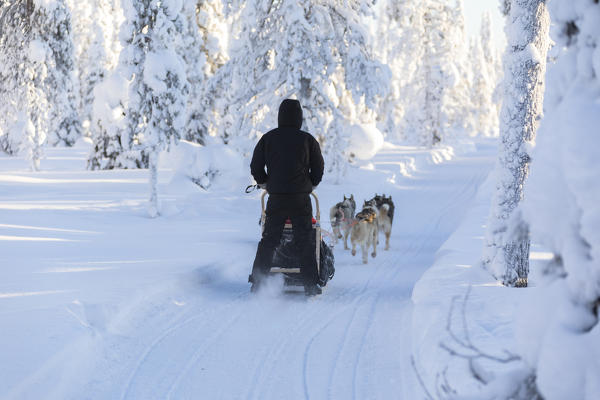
(286, 260)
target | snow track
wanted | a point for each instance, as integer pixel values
(178, 330)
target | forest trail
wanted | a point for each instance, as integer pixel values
(178, 321)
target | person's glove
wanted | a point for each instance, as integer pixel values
(262, 186)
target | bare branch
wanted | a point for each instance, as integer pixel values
(468, 350)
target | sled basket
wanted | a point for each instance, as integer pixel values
(285, 259)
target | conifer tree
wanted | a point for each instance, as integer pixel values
(399, 39)
(54, 20)
(36, 70)
(482, 92)
(434, 71)
(164, 90)
(94, 23)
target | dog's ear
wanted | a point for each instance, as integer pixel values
(390, 197)
(351, 197)
(344, 197)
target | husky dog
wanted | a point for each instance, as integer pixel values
(364, 230)
(341, 217)
(385, 207)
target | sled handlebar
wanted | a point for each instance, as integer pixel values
(313, 194)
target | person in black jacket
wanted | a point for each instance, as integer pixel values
(294, 168)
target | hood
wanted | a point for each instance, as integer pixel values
(290, 114)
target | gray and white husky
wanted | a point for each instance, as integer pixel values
(385, 207)
(341, 216)
(364, 230)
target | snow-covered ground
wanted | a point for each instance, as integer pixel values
(97, 300)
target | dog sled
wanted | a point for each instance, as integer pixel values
(286, 260)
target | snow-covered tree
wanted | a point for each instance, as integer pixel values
(108, 121)
(317, 52)
(36, 77)
(54, 19)
(562, 208)
(435, 72)
(141, 107)
(482, 92)
(400, 30)
(190, 48)
(506, 250)
(35, 120)
(457, 103)
(119, 148)
(203, 48)
(165, 90)
(14, 53)
(39, 103)
(492, 70)
(95, 23)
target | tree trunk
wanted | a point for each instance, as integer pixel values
(507, 247)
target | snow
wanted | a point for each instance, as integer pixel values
(100, 299)
(158, 64)
(37, 51)
(172, 7)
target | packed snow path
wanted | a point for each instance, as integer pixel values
(99, 301)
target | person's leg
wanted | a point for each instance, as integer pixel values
(266, 247)
(303, 237)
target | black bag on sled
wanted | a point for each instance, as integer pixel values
(286, 256)
(327, 264)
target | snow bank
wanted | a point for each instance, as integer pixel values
(489, 313)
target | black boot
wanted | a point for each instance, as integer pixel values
(255, 283)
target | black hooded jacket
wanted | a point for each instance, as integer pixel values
(292, 157)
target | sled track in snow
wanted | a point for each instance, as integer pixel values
(167, 333)
(200, 350)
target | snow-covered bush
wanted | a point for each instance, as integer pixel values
(209, 166)
(365, 141)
